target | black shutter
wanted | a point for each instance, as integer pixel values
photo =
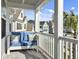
(3, 27)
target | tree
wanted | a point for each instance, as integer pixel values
(71, 21)
(65, 23)
(74, 23)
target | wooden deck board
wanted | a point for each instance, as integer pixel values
(25, 54)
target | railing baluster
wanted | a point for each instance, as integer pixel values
(50, 45)
(66, 50)
(75, 52)
(53, 47)
(63, 49)
(60, 49)
(70, 50)
(47, 45)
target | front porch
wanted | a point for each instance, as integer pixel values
(50, 46)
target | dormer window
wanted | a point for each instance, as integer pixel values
(24, 26)
(24, 18)
(21, 14)
(19, 26)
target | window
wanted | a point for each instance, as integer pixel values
(21, 14)
(40, 26)
(10, 27)
(3, 28)
(24, 26)
(19, 26)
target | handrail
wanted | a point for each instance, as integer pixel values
(47, 34)
(62, 38)
(69, 39)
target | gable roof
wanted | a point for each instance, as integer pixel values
(42, 22)
(17, 13)
(31, 21)
(14, 12)
(20, 20)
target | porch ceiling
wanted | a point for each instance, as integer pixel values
(26, 4)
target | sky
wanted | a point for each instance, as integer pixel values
(48, 10)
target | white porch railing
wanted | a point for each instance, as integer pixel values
(68, 46)
(46, 42)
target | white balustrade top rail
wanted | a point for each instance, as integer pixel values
(73, 40)
(62, 38)
(52, 35)
(69, 39)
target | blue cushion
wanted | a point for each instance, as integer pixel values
(14, 43)
(18, 33)
(21, 36)
(34, 42)
(25, 39)
(26, 36)
(15, 33)
(27, 42)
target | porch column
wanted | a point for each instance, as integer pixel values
(58, 27)
(7, 21)
(7, 29)
(37, 20)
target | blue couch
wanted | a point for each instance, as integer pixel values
(23, 40)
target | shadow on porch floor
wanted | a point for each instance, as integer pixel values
(25, 54)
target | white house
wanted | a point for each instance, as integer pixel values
(53, 26)
(44, 27)
(20, 22)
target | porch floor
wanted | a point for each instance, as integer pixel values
(25, 54)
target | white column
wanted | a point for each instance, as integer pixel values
(37, 20)
(12, 26)
(7, 28)
(7, 20)
(22, 26)
(15, 26)
(58, 27)
(8, 44)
